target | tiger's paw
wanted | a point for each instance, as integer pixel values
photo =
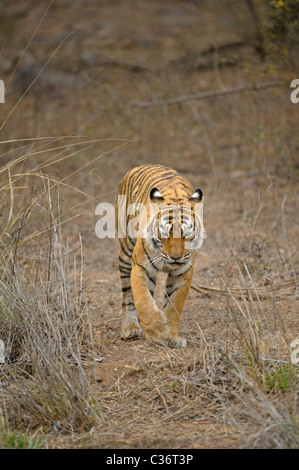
(131, 333)
(177, 342)
(158, 332)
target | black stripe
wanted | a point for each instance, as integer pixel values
(148, 256)
(161, 181)
(127, 276)
(133, 242)
(168, 286)
(141, 177)
(181, 274)
(172, 292)
(168, 174)
(185, 186)
(154, 282)
(124, 304)
(127, 246)
(154, 242)
(125, 270)
(149, 176)
(140, 265)
(167, 219)
(124, 262)
(125, 289)
(129, 255)
(140, 173)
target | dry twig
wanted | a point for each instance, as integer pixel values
(210, 94)
(264, 291)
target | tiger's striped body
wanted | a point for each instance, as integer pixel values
(169, 247)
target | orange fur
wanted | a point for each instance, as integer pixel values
(166, 249)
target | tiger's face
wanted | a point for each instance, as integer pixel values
(176, 228)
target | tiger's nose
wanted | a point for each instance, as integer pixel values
(175, 258)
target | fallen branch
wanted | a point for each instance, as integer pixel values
(262, 292)
(210, 94)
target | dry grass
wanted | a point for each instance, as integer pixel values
(51, 379)
(43, 320)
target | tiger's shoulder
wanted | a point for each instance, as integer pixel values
(138, 181)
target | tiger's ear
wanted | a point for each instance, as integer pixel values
(197, 196)
(156, 196)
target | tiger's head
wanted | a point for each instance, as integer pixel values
(175, 226)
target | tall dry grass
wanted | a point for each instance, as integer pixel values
(47, 332)
(44, 321)
(250, 369)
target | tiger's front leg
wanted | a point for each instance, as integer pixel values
(152, 319)
(177, 288)
(130, 326)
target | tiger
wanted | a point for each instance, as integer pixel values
(165, 239)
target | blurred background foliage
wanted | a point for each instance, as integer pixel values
(277, 27)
